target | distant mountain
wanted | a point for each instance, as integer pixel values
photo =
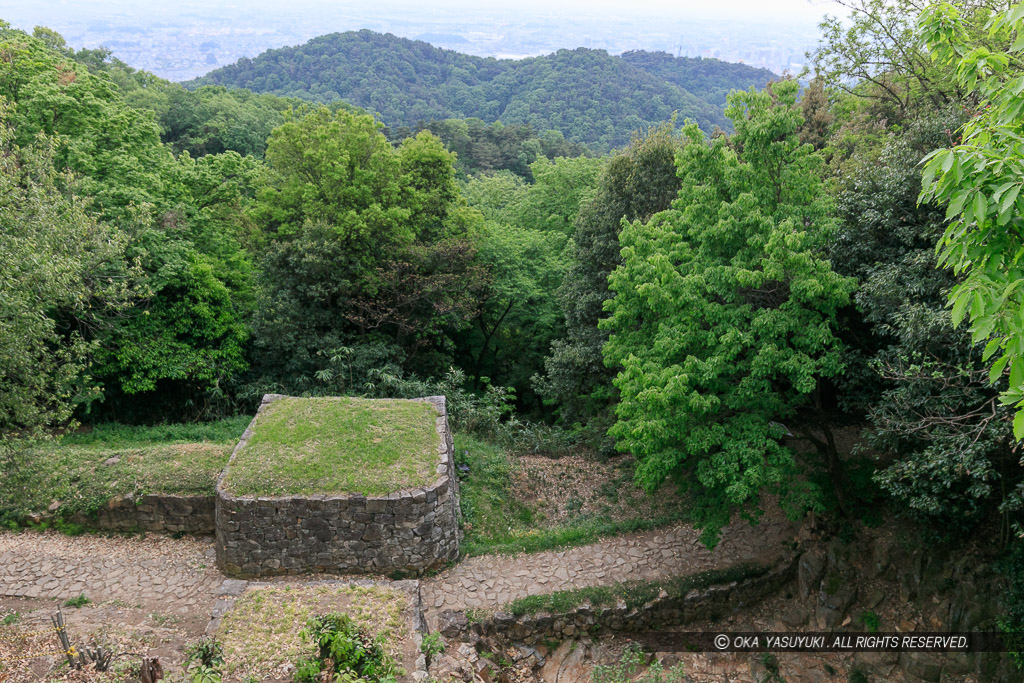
(711, 79)
(590, 96)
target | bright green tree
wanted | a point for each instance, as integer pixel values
(367, 244)
(634, 185)
(724, 314)
(980, 179)
(63, 277)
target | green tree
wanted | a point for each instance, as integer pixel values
(64, 277)
(980, 180)
(874, 54)
(367, 245)
(634, 185)
(724, 314)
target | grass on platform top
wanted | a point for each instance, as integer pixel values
(304, 446)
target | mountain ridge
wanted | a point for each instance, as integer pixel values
(590, 96)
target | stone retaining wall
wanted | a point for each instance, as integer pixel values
(405, 532)
(155, 512)
(699, 604)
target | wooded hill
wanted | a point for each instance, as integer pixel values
(588, 95)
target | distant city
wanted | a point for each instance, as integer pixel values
(194, 38)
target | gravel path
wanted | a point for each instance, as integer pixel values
(490, 580)
(175, 575)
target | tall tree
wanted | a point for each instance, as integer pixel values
(65, 277)
(367, 245)
(635, 184)
(723, 320)
(980, 179)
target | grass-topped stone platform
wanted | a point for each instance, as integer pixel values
(341, 485)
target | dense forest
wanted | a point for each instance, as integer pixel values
(714, 304)
(589, 96)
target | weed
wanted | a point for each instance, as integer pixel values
(10, 619)
(432, 646)
(80, 601)
(857, 676)
(203, 660)
(870, 621)
(630, 662)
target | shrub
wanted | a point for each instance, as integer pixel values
(432, 646)
(344, 653)
(203, 660)
(870, 621)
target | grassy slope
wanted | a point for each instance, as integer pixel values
(83, 471)
(337, 445)
(495, 522)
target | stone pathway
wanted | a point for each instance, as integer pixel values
(173, 575)
(490, 581)
(180, 575)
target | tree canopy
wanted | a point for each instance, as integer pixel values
(724, 314)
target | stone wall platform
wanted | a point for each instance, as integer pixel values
(405, 532)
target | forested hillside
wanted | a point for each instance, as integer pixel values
(587, 95)
(714, 307)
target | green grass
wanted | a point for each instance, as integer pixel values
(304, 446)
(633, 593)
(262, 631)
(83, 471)
(114, 435)
(497, 523)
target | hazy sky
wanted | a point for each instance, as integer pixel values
(675, 9)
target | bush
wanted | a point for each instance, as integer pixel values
(203, 660)
(432, 646)
(344, 653)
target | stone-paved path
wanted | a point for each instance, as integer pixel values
(490, 581)
(180, 575)
(174, 575)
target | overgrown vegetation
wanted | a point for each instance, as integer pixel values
(497, 521)
(344, 652)
(632, 660)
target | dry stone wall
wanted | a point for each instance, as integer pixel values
(707, 603)
(155, 512)
(405, 532)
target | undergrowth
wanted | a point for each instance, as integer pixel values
(496, 522)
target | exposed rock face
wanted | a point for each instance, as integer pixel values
(407, 531)
(809, 572)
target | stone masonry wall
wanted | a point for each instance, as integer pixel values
(665, 611)
(407, 532)
(155, 512)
